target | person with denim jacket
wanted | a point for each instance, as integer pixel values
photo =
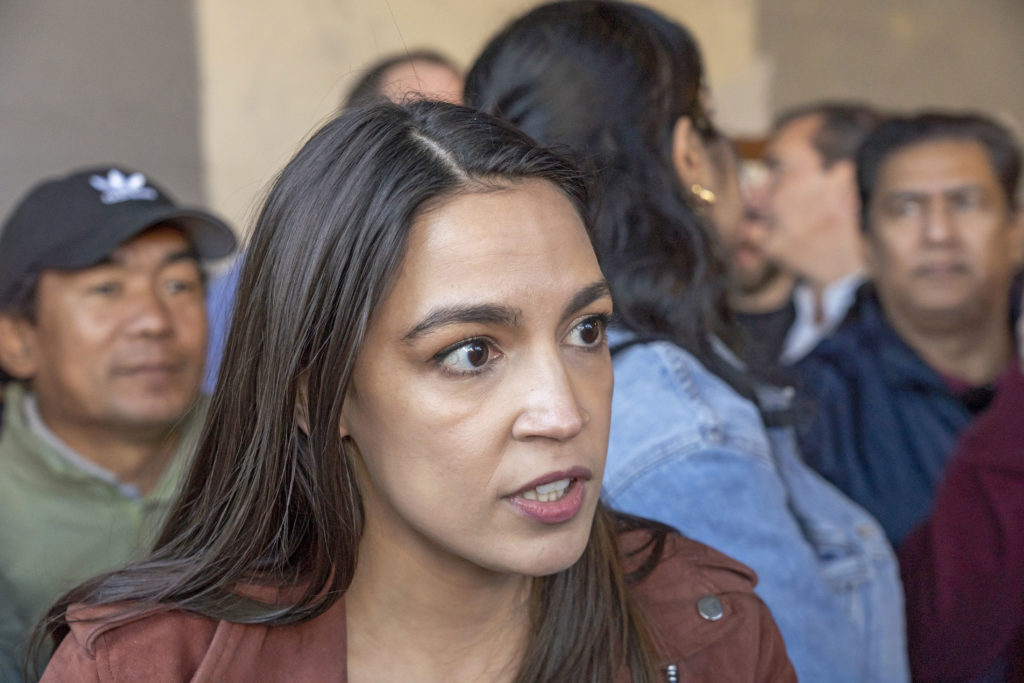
(689, 450)
(622, 88)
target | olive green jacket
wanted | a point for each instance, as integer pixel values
(60, 525)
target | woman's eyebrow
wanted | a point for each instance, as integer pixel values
(496, 314)
(490, 314)
(587, 296)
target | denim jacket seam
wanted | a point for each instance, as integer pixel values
(680, 370)
(666, 451)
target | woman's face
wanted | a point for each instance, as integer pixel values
(481, 398)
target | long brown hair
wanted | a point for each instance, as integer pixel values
(267, 502)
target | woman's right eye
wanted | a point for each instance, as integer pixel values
(467, 358)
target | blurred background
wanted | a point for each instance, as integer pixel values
(211, 97)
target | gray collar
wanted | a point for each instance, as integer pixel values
(35, 423)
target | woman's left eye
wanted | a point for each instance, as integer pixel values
(589, 332)
(467, 358)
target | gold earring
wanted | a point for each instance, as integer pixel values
(703, 194)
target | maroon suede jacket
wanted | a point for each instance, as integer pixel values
(171, 645)
(963, 569)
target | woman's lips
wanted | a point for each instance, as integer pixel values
(573, 473)
(553, 498)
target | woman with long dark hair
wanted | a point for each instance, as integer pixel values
(399, 476)
(694, 442)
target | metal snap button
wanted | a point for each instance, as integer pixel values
(710, 607)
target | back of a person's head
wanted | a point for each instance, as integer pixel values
(609, 81)
(898, 133)
(569, 72)
(843, 127)
(373, 86)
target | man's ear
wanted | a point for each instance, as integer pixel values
(843, 172)
(689, 156)
(18, 346)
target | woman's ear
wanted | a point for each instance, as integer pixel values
(689, 157)
(302, 407)
(343, 420)
(18, 341)
(342, 426)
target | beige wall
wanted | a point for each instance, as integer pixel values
(213, 96)
(272, 70)
(84, 83)
(903, 54)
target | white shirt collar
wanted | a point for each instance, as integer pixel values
(806, 332)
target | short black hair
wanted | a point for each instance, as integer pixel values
(896, 134)
(368, 89)
(844, 126)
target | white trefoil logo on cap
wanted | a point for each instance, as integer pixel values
(117, 187)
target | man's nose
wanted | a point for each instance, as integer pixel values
(938, 222)
(151, 314)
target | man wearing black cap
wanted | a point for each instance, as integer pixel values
(103, 328)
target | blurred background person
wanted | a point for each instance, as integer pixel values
(623, 88)
(418, 74)
(103, 329)
(760, 292)
(924, 346)
(814, 214)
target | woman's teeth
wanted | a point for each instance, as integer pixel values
(548, 493)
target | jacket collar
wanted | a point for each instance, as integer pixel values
(37, 451)
(866, 329)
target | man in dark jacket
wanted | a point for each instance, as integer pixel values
(926, 342)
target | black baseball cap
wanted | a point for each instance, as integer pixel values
(77, 220)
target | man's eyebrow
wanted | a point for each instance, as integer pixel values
(922, 192)
(587, 296)
(488, 314)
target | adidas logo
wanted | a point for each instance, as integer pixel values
(117, 187)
